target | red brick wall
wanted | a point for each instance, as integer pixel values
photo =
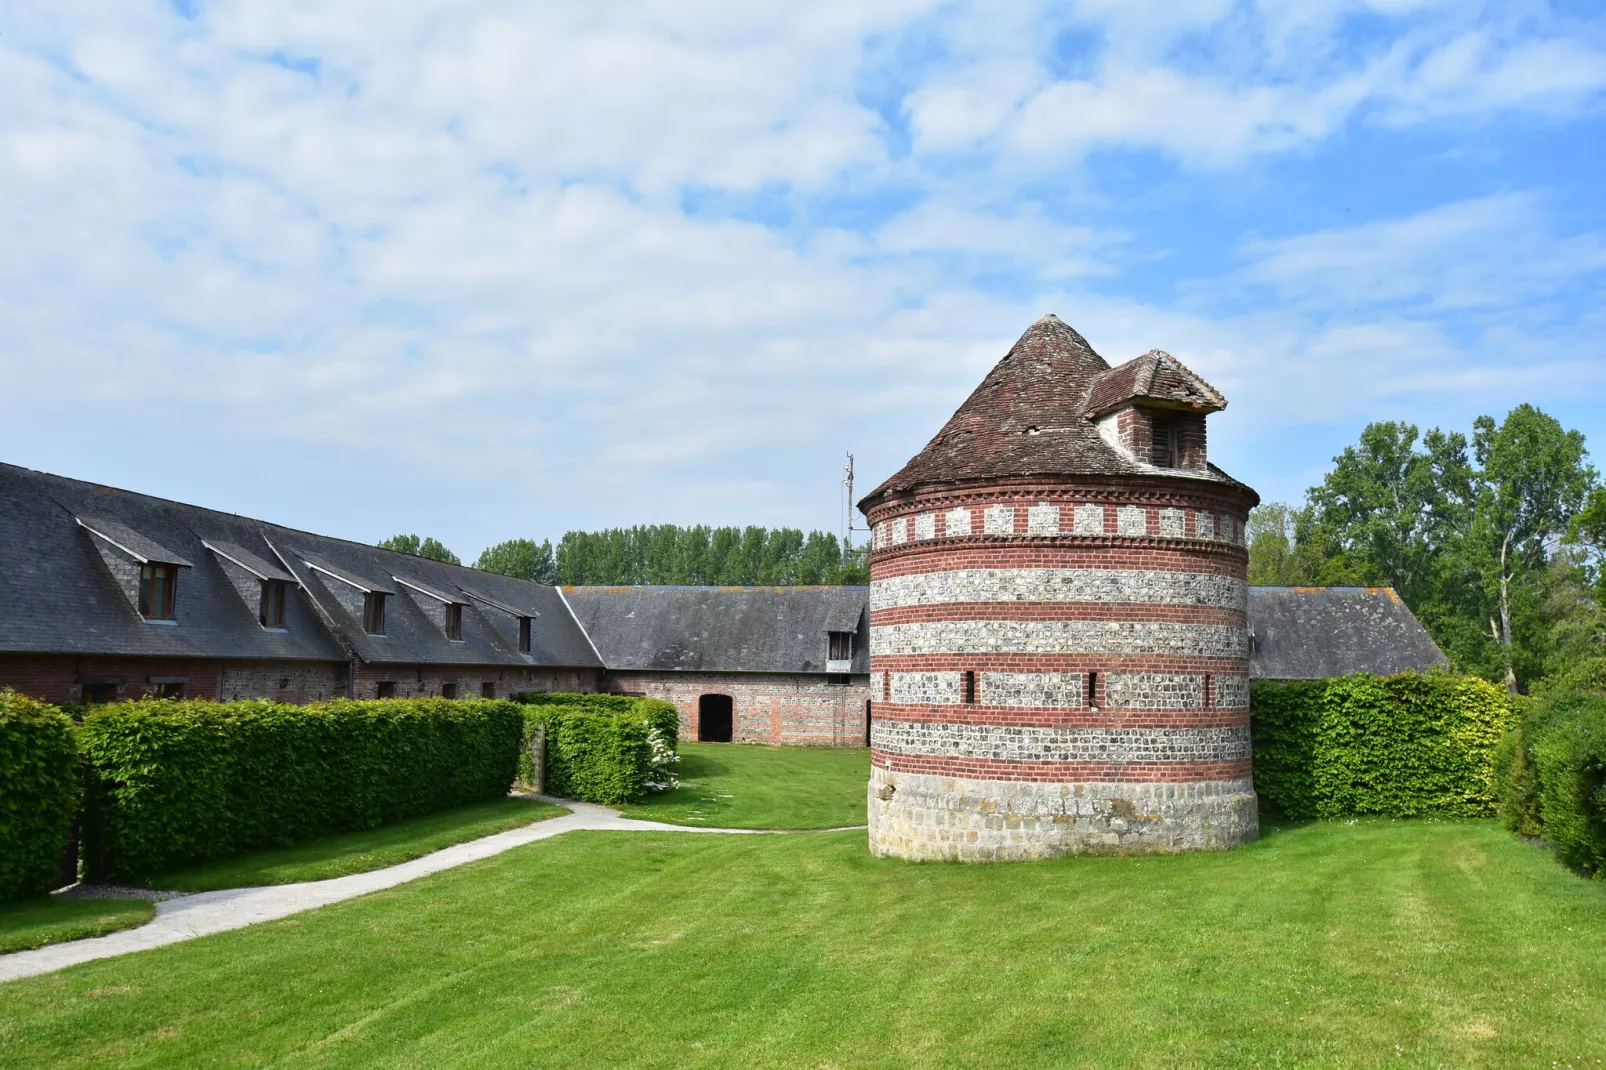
(788, 708)
(61, 678)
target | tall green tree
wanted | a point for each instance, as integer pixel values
(1532, 482)
(521, 559)
(428, 548)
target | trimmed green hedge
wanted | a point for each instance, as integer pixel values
(1552, 778)
(170, 784)
(1398, 746)
(604, 748)
(38, 794)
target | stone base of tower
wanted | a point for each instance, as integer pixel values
(923, 816)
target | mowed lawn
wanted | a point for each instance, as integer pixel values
(359, 852)
(52, 919)
(1405, 943)
(751, 786)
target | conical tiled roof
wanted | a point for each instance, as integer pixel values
(1029, 417)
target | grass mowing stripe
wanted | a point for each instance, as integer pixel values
(54, 920)
(1412, 943)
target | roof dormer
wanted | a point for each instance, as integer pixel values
(361, 596)
(262, 585)
(1153, 409)
(441, 608)
(146, 571)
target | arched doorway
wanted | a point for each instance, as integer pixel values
(714, 720)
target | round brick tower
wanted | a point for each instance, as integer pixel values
(1059, 654)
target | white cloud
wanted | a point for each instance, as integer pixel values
(433, 259)
(1490, 252)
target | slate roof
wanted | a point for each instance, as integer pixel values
(58, 596)
(1308, 633)
(722, 629)
(1297, 632)
(1030, 417)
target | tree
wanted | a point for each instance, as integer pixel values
(521, 559)
(700, 555)
(1387, 509)
(1533, 483)
(430, 549)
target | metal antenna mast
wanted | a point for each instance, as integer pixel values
(848, 527)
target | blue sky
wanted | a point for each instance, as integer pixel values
(498, 269)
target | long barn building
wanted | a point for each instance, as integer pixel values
(108, 594)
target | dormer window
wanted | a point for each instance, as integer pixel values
(840, 646)
(373, 613)
(157, 585)
(271, 612)
(454, 622)
(524, 635)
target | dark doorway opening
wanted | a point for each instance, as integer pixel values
(714, 719)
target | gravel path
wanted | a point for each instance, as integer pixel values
(184, 917)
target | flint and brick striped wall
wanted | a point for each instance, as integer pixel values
(1077, 641)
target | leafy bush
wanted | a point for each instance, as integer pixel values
(1579, 674)
(1552, 774)
(175, 783)
(1399, 746)
(604, 748)
(38, 794)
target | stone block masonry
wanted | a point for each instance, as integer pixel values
(932, 817)
(1032, 689)
(1044, 585)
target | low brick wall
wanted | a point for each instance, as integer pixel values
(799, 709)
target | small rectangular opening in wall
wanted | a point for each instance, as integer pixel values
(970, 688)
(449, 689)
(1208, 699)
(1092, 690)
(1163, 444)
(170, 690)
(488, 689)
(385, 689)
